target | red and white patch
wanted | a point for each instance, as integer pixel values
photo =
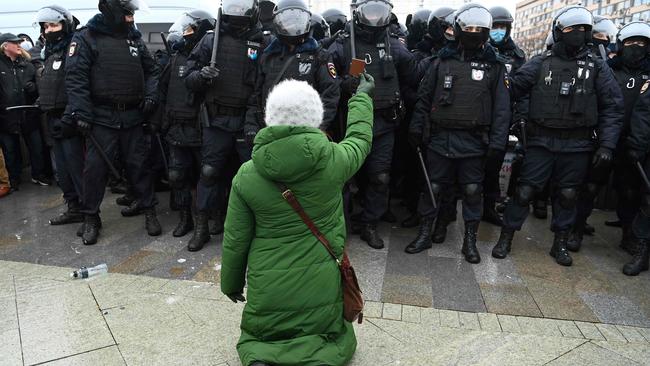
(332, 70)
(73, 49)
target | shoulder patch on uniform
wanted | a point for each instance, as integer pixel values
(332, 70)
(645, 87)
(73, 49)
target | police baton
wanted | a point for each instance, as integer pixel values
(603, 54)
(522, 132)
(167, 47)
(643, 175)
(28, 106)
(162, 152)
(426, 177)
(103, 155)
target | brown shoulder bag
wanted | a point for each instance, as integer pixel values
(352, 298)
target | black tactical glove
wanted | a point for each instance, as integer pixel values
(635, 155)
(602, 158)
(84, 127)
(249, 136)
(237, 296)
(415, 138)
(148, 106)
(209, 73)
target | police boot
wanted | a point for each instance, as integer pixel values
(411, 221)
(490, 213)
(82, 228)
(469, 242)
(539, 210)
(575, 238)
(628, 242)
(503, 246)
(559, 250)
(640, 261)
(440, 231)
(71, 216)
(186, 224)
(201, 233)
(423, 240)
(151, 222)
(133, 210)
(369, 235)
(216, 227)
(91, 227)
(126, 200)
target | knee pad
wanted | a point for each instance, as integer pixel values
(567, 198)
(472, 193)
(176, 178)
(524, 195)
(209, 175)
(381, 181)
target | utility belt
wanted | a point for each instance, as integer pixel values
(120, 107)
(580, 133)
(222, 110)
(390, 113)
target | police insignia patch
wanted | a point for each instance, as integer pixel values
(477, 75)
(332, 70)
(506, 80)
(72, 49)
(645, 87)
(252, 54)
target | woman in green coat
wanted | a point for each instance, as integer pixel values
(294, 313)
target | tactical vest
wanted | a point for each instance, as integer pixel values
(379, 64)
(237, 60)
(179, 103)
(630, 83)
(564, 96)
(117, 75)
(51, 84)
(463, 98)
(302, 67)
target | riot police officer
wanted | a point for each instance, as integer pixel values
(227, 87)
(631, 68)
(417, 25)
(603, 34)
(294, 54)
(464, 98)
(57, 27)
(336, 20)
(111, 81)
(394, 69)
(180, 118)
(513, 57)
(634, 45)
(572, 95)
(320, 30)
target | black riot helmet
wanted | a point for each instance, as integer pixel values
(240, 13)
(292, 21)
(603, 26)
(373, 13)
(573, 16)
(319, 27)
(501, 16)
(472, 25)
(193, 25)
(56, 14)
(336, 19)
(114, 11)
(417, 25)
(439, 20)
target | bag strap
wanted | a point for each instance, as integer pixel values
(288, 195)
(284, 69)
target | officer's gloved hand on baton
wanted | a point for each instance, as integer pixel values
(602, 158)
(84, 127)
(249, 137)
(148, 106)
(415, 138)
(635, 155)
(209, 73)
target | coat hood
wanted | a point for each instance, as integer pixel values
(290, 154)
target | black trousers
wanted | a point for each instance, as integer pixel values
(69, 161)
(186, 161)
(134, 147)
(377, 163)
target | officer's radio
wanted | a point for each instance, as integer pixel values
(565, 88)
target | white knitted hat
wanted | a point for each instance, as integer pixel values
(294, 103)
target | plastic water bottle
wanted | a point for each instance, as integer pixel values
(84, 272)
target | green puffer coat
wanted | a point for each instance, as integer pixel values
(294, 313)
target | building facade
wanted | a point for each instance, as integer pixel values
(533, 18)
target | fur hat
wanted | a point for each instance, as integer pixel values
(294, 103)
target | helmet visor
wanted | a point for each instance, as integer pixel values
(634, 29)
(374, 13)
(574, 16)
(49, 15)
(474, 17)
(292, 22)
(238, 8)
(606, 27)
(133, 5)
(182, 24)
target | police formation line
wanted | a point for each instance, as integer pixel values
(451, 87)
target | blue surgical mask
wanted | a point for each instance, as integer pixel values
(498, 35)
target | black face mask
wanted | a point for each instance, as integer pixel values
(574, 40)
(53, 37)
(471, 41)
(437, 35)
(633, 55)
